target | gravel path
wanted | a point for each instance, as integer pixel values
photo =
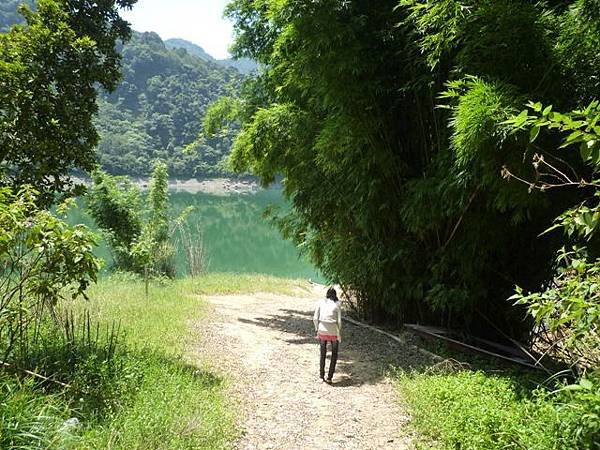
(266, 343)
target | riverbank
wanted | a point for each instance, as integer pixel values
(213, 186)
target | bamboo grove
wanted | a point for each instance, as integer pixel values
(389, 124)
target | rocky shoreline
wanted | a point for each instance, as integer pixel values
(213, 186)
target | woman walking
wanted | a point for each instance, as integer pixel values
(328, 325)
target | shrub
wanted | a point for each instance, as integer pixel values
(42, 260)
(116, 206)
(138, 233)
(569, 307)
(579, 412)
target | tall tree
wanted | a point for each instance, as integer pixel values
(50, 71)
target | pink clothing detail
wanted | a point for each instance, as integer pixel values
(327, 337)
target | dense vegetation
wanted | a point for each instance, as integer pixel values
(138, 228)
(51, 70)
(423, 183)
(69, 376)
(388, 123)
(157, 111)
(418, 182)
(478, 411)
(137, 386)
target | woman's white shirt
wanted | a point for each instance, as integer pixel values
(328, 317)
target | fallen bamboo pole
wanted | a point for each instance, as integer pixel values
(395, 338)
(33, 374)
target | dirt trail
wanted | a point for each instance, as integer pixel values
(266, 342)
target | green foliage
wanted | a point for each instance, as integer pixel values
(580, 403)
(581, 127)
(158, 108)
(42, 260)
(386, 123)
(157, 112)
(138, 231)
(159, 394)
(569, 307)
(157, 231)
(51, 68)
(158, 200)
(481, 106)
(116, 206)
(220, 114)
(89, 357)
(475, 410)
(28, 419)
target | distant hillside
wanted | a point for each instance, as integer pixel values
(8, 13)
(245, 65)
(158, 110)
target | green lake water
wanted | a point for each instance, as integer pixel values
(235, 235)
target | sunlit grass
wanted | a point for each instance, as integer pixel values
(480, 411)
(178, 403)
(162, 320)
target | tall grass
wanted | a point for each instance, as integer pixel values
(29, 418)
(141, 388)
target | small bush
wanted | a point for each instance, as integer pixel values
(137, 227)
(578, 407)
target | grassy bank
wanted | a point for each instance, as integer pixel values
(476, 410)
(137, 389)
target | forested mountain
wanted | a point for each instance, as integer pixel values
(191, 48)
(158, 108)
(243, 65)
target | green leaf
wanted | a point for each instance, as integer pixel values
(585, 151)
(571, 138)
(520, 120)
(537, 107)
(534, 133)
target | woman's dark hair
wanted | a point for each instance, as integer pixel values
(331, 294)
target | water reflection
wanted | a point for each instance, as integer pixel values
(236, 236)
